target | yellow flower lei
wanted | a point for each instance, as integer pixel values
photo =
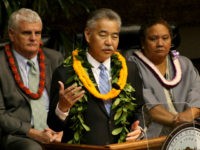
(88, 84)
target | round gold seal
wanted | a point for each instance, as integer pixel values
(184, 137)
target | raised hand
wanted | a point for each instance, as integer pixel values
(69, 96)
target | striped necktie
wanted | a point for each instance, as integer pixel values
(104, 85)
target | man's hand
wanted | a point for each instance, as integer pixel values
(54, 136)
(135, 133)
(69, 96)
(45, 136)
(40, 136)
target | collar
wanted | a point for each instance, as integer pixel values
(96, 64)
(22, 61)
(176, 65)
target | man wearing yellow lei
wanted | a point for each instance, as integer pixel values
(77, 107)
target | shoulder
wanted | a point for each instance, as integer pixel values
(64, 69)
(185, 62)
(184, 58)
(132, 66)
(2, 55)
(51, 53)
(2, 52)
(187, 66)
(63, 73)
(132, 58)
(52, 57)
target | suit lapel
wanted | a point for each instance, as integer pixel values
(48, 73)
(100, 103)
(19, 90)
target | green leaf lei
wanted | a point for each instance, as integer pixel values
(123, 105)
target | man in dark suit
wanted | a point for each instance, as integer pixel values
(90, 99)
(17, 99)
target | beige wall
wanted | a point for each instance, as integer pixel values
(190, 41)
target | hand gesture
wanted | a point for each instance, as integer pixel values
(69, 96)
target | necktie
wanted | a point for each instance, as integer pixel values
(39, 113)
(104, 85)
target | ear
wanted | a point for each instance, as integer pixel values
(87, 34)
(11, 34)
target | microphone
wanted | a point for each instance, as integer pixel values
(116, 86)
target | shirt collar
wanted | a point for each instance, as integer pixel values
(96, 64)
(21, 60)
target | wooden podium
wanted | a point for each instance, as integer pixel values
(151, 144)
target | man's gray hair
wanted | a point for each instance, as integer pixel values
(23, 14)
(103, 13)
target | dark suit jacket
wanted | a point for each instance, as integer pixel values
(96, 117)
(136, 82)
(15, 110)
